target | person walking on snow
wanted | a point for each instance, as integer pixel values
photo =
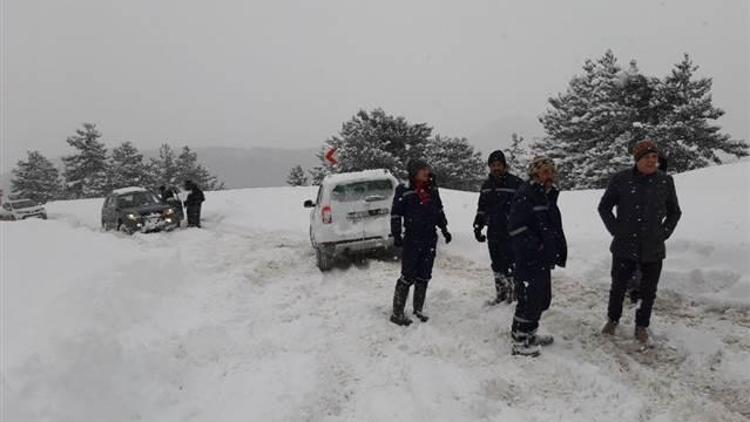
(647, 214)
(417, 210)
(634, 285)
(492, 211)
(193, 204)
(538, 241)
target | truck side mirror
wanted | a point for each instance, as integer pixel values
(309, 204)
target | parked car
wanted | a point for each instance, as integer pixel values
(136, 209)
(21, 209)
(351, 215)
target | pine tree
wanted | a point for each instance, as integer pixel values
(587, 125)
(127, 168)
(373, 140)
(188, 168)
(519, 155)
(455, 163)
(36, 178)
(684, 129)
(164, 169)
(297, 177)
(86, 171)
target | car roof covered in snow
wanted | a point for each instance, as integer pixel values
(358, 175)
(129, 189)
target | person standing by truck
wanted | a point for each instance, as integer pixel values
(417, 211)
(193, 204)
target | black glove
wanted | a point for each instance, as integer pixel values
(479, 236)
(398, 241)
(447, 235)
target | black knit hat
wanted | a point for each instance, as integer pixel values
(414, 165)
(496, 156)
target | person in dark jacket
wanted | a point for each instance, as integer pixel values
(647, 214)
(417, 210)
(538, 241)
(169, 196)
(634, 286)
(193, 204)
(493, 208)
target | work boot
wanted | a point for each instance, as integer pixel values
(541, 339)
(420, 293)
(400, 294)
(502, 290)
(523, 346)
(641, 334)
(609, 328)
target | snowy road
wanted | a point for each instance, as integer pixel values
(234, 322)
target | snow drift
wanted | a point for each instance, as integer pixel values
(234, 322)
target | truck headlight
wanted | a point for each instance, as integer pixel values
(132, 217)
(169, 211)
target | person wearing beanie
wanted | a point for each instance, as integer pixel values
(417, 211)
(493, 208)
(538, 242)
(647, 215)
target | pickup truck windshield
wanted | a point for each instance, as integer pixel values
(136, 199)
(361, 191)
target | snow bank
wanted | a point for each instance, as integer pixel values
(234, 322)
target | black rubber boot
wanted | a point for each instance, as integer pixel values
(503, 290)
(400, 294)
(420, 293)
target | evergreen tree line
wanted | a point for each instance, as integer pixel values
(93, 171)
(377, 140)
(592, 126)
(591, 129)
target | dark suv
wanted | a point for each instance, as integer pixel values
(137, 209)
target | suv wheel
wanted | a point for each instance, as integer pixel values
(324, 258)
(123, 228)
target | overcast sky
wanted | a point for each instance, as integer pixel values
(288, 73)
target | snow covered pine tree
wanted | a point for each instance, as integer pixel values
(36, 178)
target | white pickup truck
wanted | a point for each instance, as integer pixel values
(20, 209)
(351, 214)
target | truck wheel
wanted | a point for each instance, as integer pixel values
(123, 228)
(324, 258)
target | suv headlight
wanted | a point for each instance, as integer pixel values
(169, 211)
(132, 216)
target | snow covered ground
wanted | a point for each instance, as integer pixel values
(234, 322)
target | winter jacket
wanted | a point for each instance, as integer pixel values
(419, 218)
(195, 197)
(535, 227)
(647, 214)
(495, 200)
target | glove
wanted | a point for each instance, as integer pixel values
(448, 236)
(479, 236)
(398, 241)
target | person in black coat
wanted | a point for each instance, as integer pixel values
(193, 204)
(634, 286)
(647, 214)
(538, 241)
(169, 196)
(493, 208)
(417, 211)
